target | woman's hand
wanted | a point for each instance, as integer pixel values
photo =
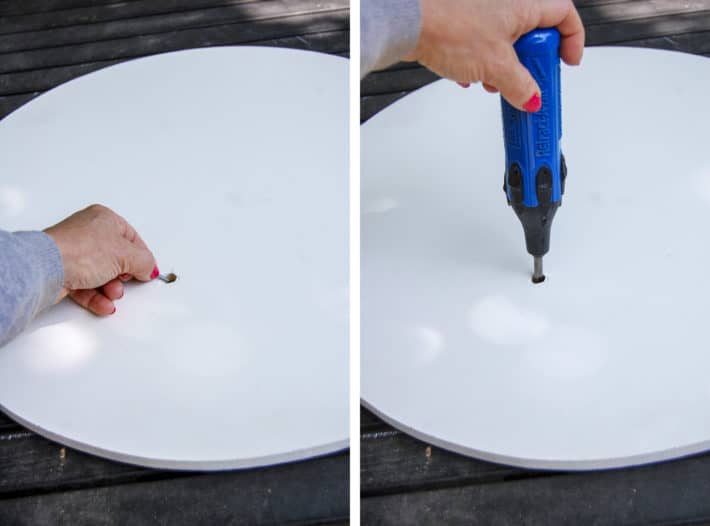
(100, 251)
(472, 40)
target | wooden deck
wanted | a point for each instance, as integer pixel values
(42, 44)
(405, 481)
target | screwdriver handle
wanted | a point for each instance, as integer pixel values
(535, 170)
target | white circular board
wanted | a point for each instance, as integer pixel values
(606, 363)
(232, 163)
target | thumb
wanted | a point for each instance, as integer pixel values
(516, 84)
(139, 262)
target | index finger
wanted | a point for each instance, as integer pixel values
(572, 31)
(565, 18)
(132, 236)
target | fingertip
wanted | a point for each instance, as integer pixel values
(101, 305)
(138, 262)
(573, 37)
(489, 88)
(516, 84)
(533, 104)
(572, 51)
(113, 290)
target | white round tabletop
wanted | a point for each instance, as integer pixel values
(232, 163)
(606, 363)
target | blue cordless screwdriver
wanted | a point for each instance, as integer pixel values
(535, 169)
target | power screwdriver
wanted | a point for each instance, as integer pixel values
(535, 169)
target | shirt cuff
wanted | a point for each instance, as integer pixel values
(389, 31)
(46, 262)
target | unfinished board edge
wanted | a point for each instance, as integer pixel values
(544, 464)
(190, 465)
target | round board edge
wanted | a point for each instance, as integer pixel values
(643, 459)
(182, 465)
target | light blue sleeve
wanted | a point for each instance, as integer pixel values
(31, 278)
(389, 30)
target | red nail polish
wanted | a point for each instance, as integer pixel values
(113, 311)
(464, 84)
(534, 104)
(155, 272)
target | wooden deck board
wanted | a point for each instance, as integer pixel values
(48, 48)
(671, 493)
(311, 492)
(278, 13)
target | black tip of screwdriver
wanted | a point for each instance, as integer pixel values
(538, 276)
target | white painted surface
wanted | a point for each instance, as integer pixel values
(604, 364)
(232, 164)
